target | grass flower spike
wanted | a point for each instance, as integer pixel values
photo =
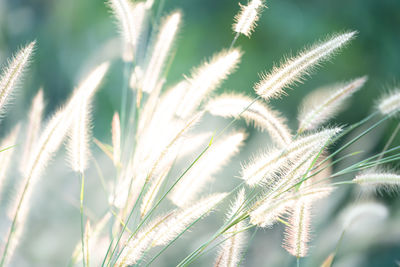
(294, 69)
(263, 118)
(187, 190)
(263, 169)
(165, 228)
(376, 180)
(11, 74)
(231, 249)
(297, 234)
(322, 105)
(391, 103)
(160, 52)
(207, 78)
(246, 20)
(34, 125)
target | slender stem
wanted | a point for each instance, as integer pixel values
(389, 142)
(298, 262)
(82, 176)
(14, 222)
(234, 41)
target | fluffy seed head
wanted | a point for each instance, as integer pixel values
(231, 250)
(34, 124)
(297, 234)
(323, 104)
(160, 51)
(211, 162)
(293, 70)
(12, 73)
(245, 21)
(264, 168)
(207, 78)
(165, 228)
(130, 19)
(266, 211)
(376, 180)
(80, 130)
(233, 105)
(390, 104)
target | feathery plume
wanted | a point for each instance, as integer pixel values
(378, 180)
(207, 78)
(293, 70)
(165, 228)
(246, 19)
(229, 255)
(297, 233)
(79, 136)
(265, 166)
(391, 103)
(232, 105)
(12, 73)
(266, 211)
(6, 155)
(188, 188)
(116, 139)
(160, 51)
(159, 115)
(34, 124)
(130, 18)
(47, 144)
(323, 104)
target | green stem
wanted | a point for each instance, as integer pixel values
(82, 176)
(389, 142)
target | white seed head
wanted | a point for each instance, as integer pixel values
(297, 234)
(130, 18)
(210, 163)
(378, 180)
(265, 119)
(78, 146)
(266, 211)
(231, 250)
(245, 21)
(390, 103)
(12, 73)
(294, 69)
(160, 51)
(265, 167)
(207, 78)
(165, 228)
(323, 104)
(34, 125)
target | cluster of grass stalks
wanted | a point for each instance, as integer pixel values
(149, 208)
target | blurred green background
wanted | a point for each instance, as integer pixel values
(72, 35)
